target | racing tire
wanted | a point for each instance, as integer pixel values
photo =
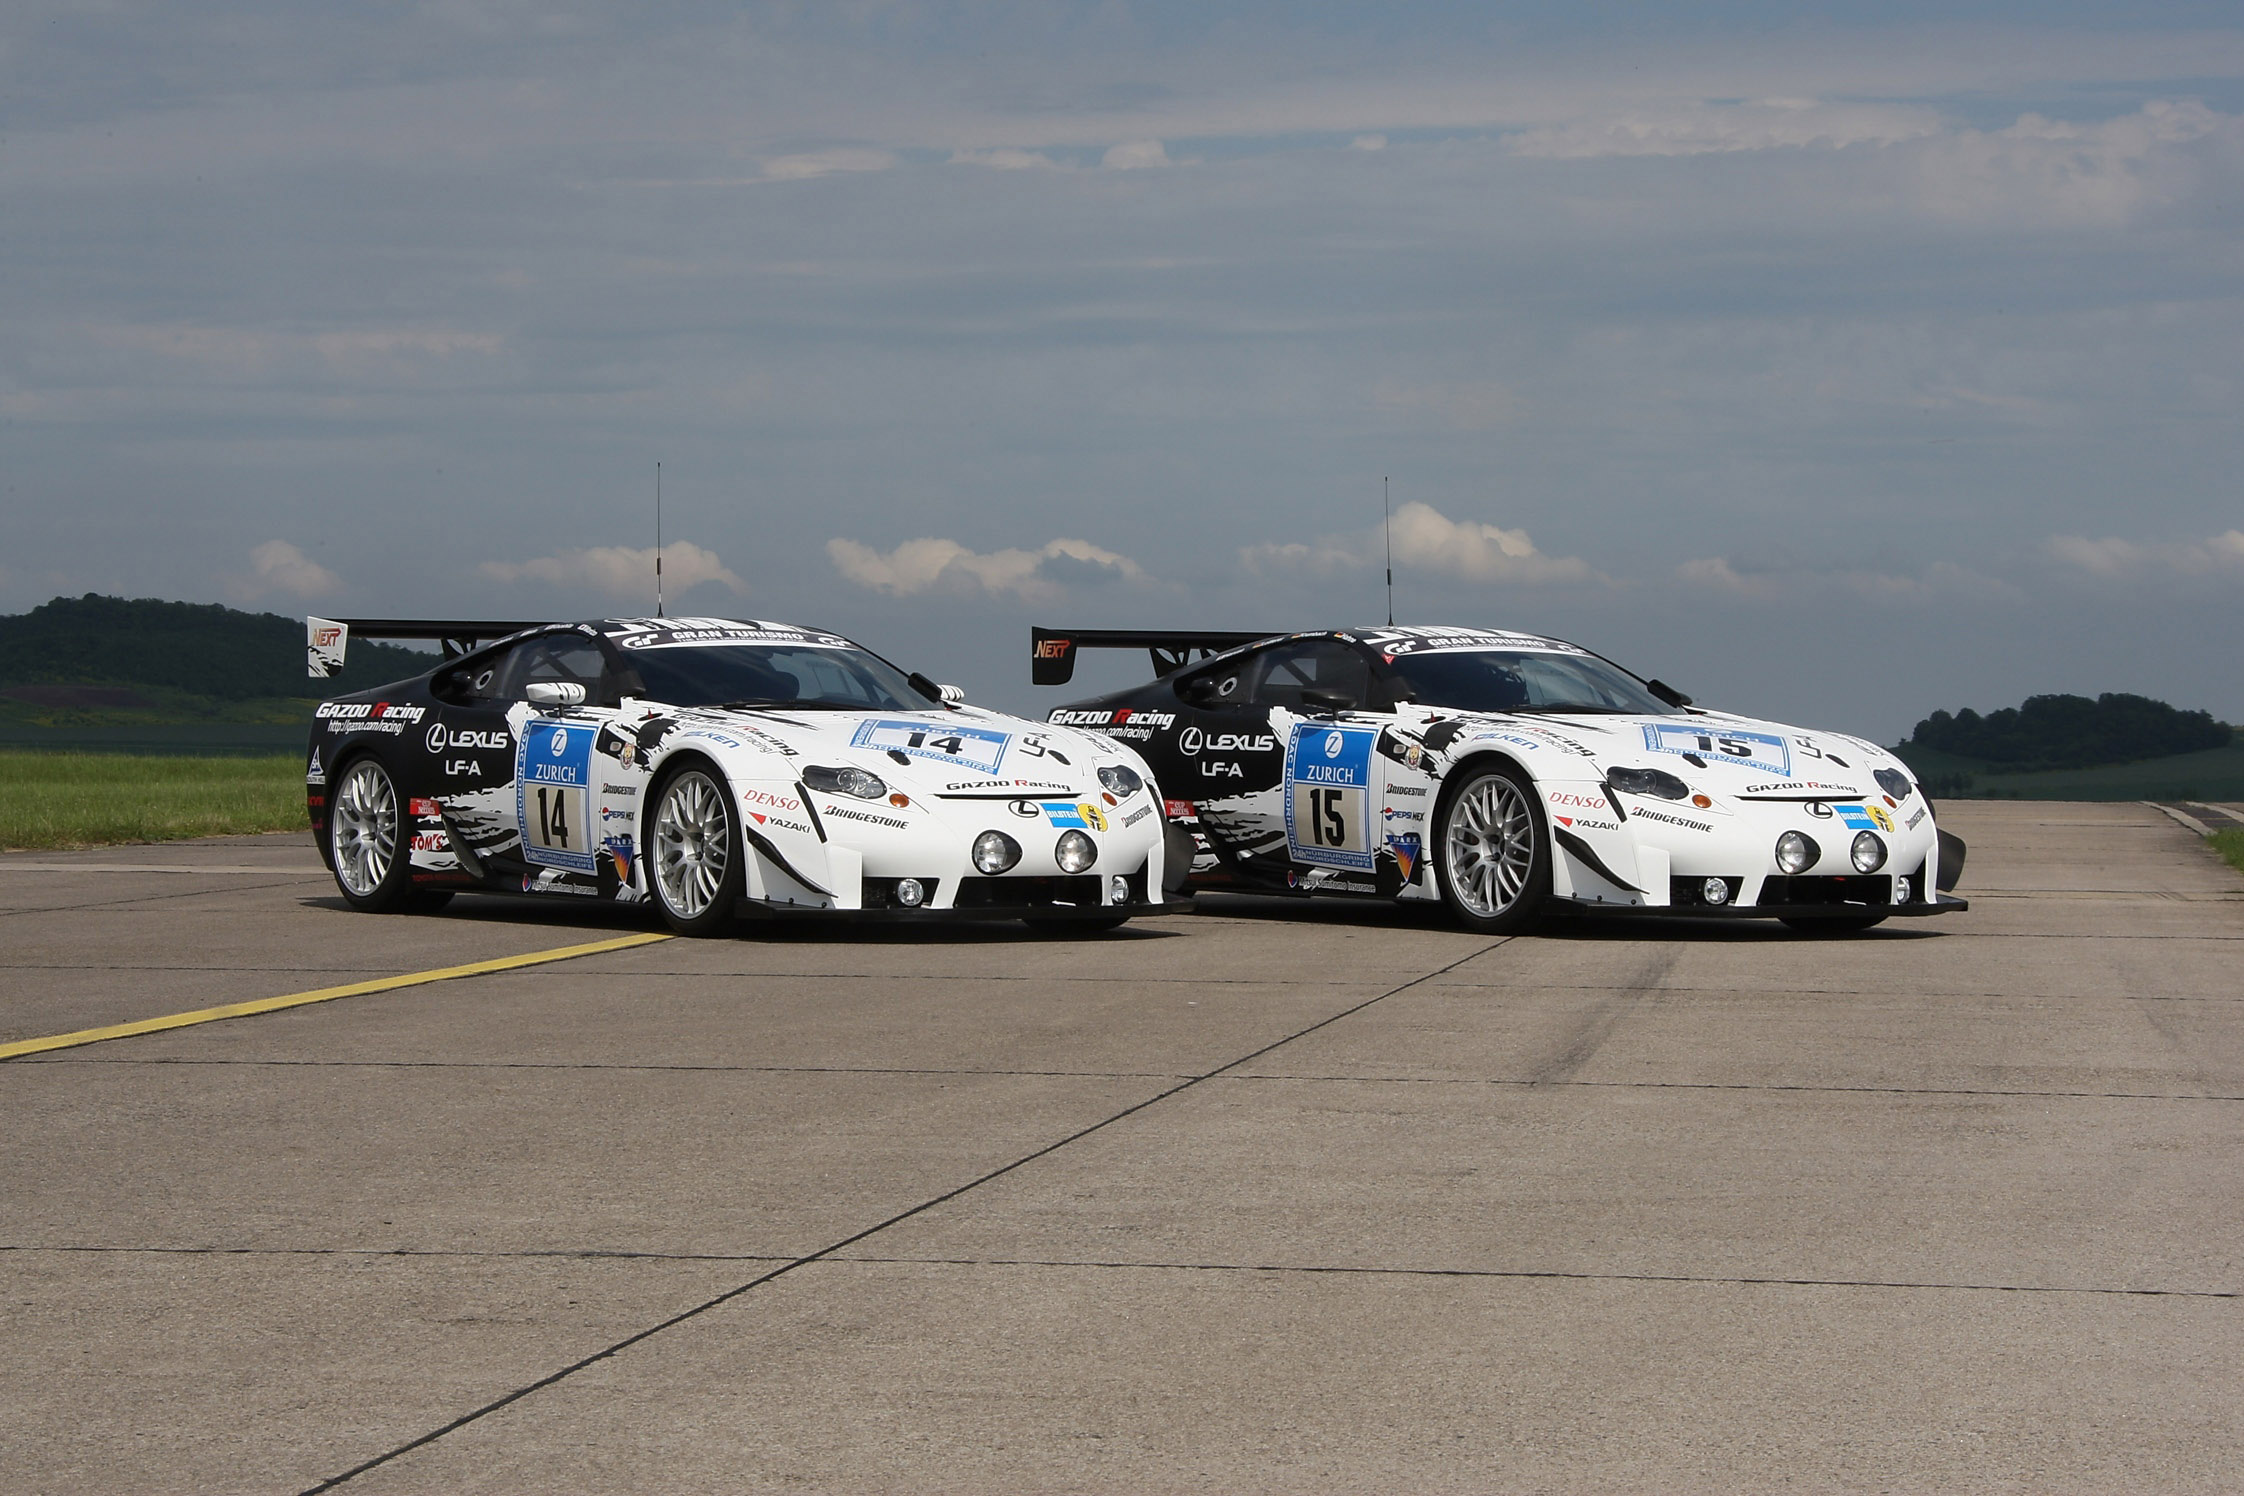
(366, 839)
(1837, 924)
(1492, 852)
(696, 862)
(1074, 924)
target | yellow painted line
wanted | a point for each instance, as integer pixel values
(23, 1047)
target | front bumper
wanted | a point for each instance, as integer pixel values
(1915, 909)
(922, 915)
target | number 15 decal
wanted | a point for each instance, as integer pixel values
(1328, 796)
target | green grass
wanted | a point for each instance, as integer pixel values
(53, 800)
(2213, 774)
(2230, 844)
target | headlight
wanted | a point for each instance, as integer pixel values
(1076, 852)
(1657, 782)
(1894, 783)
(1123, 780)
(1868, 852)
(1797, 853)
(858, 782)
(994, 852)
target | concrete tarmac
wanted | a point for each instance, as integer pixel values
(1270, 1197)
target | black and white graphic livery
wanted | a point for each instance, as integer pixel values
(1507, 775)
(718, 767)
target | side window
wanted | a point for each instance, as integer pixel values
(473, 682)
(1290, 671)
(556, 657)
(1212, 690)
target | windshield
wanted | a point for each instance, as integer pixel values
(774, 675)
(1504, 680)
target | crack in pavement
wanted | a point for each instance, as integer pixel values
(823, 1253)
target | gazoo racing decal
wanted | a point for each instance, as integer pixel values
(975, 747)
(552, 784)
(1737, 745)
(1328, 795)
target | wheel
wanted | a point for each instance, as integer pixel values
(364, 840)
(694, 856)
(1493, 860)
(1074, 924)
(1834, 924)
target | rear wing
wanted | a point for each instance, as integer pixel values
(325, 639)
(1052, 651)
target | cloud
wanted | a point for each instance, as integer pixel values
(1429, 540)
(1134, 155)
(1771, 579)
(280, 567)
(1368, 143)
(1004, 158)
(621, 571)
(802, 167)
(2219, 555)
(931, 564)
(1700, 129)
(2104, 173)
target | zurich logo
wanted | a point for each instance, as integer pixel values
(1334, 742)
(560, 741)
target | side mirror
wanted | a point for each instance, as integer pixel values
(1327, 701)
(953, 695)
(1667, 693)
(553, 693)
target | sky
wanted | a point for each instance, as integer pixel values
(1832, 363)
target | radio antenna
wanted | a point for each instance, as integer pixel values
(1387, 529)
(658, 540)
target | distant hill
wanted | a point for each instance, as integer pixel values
(2070, 732)
(87, 652)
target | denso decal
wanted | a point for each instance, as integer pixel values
(1568, 797)
(749, 795)
(977, 747)
(1765, 751)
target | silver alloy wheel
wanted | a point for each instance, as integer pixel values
(1488, 846)
(362, 828)
(691, 843)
